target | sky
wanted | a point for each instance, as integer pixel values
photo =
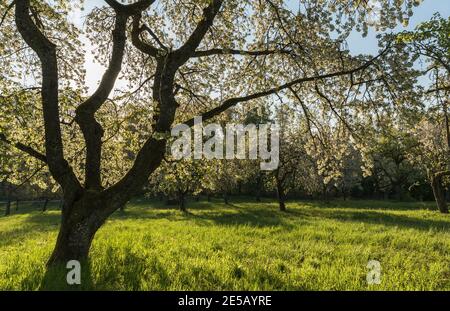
(422, 13)
(356, 43)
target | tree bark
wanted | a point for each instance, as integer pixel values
(225, 198)
(258, 197)
(8, 203)
(281, 196)
(258, 188)
(8, 208)
(44, 207)
(80, 221)
(182, 202)
(439, 193)
(325, 193)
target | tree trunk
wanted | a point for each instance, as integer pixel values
(439, 194)
(182, 202)
(225, 198)
(17, 205)
(8, 208)
(258, 188)
(8, 203)
(398, 192)
(208, 197)
(281, 196)
(344, 195)
(258, 197)
(44, 207)
(325, 193)
(80, 221)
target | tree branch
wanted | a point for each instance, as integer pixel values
(236, 100)
(22, 147)
(142, 46)
(130, 9)
(7, 11)
(85, 113)
(46, 52)
(188, 49)
(218, 51)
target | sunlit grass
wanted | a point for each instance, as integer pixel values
(245, 246)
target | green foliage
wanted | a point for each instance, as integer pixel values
(435, 32)
(180, 178)
(246, 246)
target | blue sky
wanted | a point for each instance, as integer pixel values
(356, 43)
(424, 12)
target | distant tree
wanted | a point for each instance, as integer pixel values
(432, 155)
(392, 167)
(180, 179)
(430, 41)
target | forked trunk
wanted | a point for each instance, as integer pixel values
(439, 194)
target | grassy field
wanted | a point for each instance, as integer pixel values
(245, 246)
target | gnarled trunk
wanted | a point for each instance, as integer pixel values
(439, 193)
(80, 221)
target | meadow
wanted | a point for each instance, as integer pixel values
(242, 246)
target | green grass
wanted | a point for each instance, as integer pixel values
(246, 246)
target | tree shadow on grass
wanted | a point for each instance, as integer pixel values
(214, 213)
(269, 216)
(238, 215)
(383, 218)
(373, 205)
(34, 223)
